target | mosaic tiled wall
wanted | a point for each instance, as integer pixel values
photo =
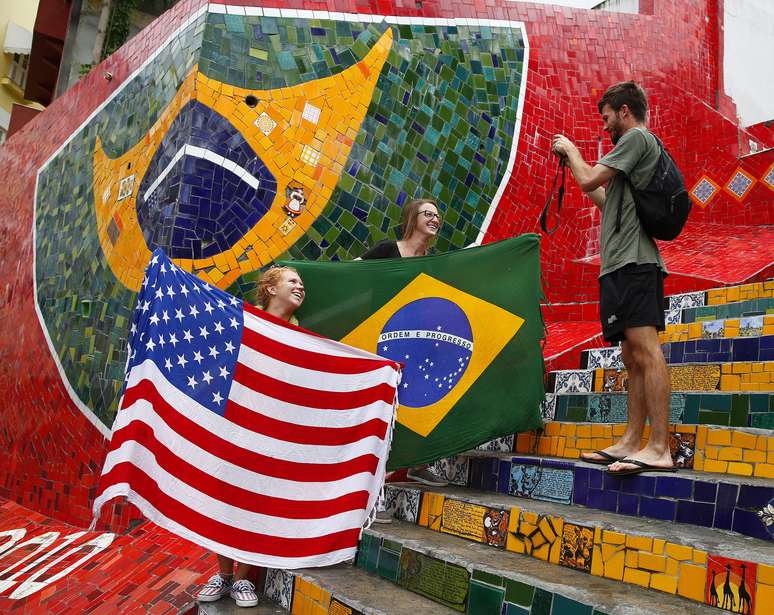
(251, 137)
(50, 449)
(644, 560)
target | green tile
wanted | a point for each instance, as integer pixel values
(760, 402)
(691, 412)
(739, 410)
(718, 402)
(518, 592)
(541, 603)
(708, 417)
(512, 609)
(576, 414)
(389, 563)
(488, 577)
(565, 606)
(762, 421)
(485, 599)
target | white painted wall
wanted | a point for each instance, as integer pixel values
(748, 58)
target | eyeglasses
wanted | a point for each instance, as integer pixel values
(430, 214)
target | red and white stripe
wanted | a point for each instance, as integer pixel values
(287, 477)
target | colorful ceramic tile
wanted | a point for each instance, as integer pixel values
(436, 579)
(751, 326)
(739, 184)
(548, 407)
(574, 381)
(604, 358)
(712, 329)
(452, 469)
(577, 547)
(731, 584)
(682, 446)
(499, 445)
(687, 300)
(704, 191)
(541, 483)
(279, 587)
(475, 522)
(402, 502)
(766, 515)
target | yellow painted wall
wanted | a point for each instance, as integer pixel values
(23, 13)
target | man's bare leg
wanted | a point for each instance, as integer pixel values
(630, 441)
(652, 394)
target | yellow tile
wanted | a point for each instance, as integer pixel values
(764, 470)
(719, 437)
(583, 431)
(740, 469)
(711, 452)
(758, 367)
(658, 546)
(692, 581)
(654, 563)
(729, 453)
(699, 557)
(743, 439)
(613, 538)
(552, 428)
(637, 577)
(754, 457)
(730, 383)
(679, 552)
(764, 598)
(743, 367)
(710, 465)
(619, 429)
(663, 583)
(770, 444)
(641, 543)
(571, 453)
(545, 528)
(597, 535)
(631, 558)
(726, 368)
(701, 437)
(672, 567)
(597, 568)
(614, 565)
(765, 574)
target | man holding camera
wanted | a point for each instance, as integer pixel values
(631, 279)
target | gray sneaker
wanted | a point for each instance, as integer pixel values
(383, 517)
(426, 477)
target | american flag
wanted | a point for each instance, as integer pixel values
(245, 434)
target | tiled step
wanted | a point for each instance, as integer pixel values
(660, 555)
(723, 295)
(485, 581)
(715, 408)
(708, 500)
(737, 309)
(722, 450)
(729, 328)
(727, 377)
(226, 606)
(718, 349)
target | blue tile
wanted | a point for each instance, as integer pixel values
(695, 513)
(752, 496)
(596, 478)
(657, 509)
(628, 503)
(676, 352)
(602, 500)
(504, 477)
(644, 485)
(704, 491)
(707, 345)
(580, 486)
(555, 463)
(726, 502)
(748, 523)
(718, 357)
(530, 461)
(612, 483)
(690, 347)
(759, 403)
(671, 487)
(745, 349)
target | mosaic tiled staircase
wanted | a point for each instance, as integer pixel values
(549, 534)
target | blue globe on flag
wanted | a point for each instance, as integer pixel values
(432, 337)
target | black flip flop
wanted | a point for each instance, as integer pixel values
(642, 467)
(608, 458)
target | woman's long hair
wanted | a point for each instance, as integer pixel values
(408, 218)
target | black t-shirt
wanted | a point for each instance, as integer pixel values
(383, 249)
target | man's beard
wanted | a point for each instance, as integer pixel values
(615, 136)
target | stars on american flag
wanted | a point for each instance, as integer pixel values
(190, 330)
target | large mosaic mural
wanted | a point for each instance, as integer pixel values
(247, 138)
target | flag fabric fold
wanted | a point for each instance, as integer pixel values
(247, 435)
(466, 325)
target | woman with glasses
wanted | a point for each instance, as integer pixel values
(420, 222)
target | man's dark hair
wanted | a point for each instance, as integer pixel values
(625, 93)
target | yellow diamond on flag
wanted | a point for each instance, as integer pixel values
(446, 338)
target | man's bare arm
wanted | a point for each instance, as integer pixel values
(589, 178)
(597, 196)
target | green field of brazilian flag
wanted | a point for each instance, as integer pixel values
(467, 327)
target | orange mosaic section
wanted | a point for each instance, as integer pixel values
(731, 377)
(723, 450)
(758, 376)
(695, 330)
(649, 562)
(309, 598)
(757, 290)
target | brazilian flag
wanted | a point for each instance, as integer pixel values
(467, 326)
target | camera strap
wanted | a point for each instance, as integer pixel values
(559, 197)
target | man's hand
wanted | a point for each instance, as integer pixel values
(562, 146)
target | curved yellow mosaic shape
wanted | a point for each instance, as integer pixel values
(303, 134)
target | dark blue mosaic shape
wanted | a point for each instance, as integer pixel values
(580, 487)
(704, 491)
(504, 477)
(628, 504)
(695, 513)
(484, 474)
(746, 349)
(724, 510)
(644, 485)
(749, 523)
(671, 487)
(754, 496)
(658, 509)
(201, 208)
(602, 500)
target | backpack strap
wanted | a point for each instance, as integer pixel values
(628, 181)
(559, 197)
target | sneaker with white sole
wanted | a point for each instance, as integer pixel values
(243, 593)
(426, 477)
(383, 517)
(215, 589)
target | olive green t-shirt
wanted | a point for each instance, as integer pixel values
(636, 155)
